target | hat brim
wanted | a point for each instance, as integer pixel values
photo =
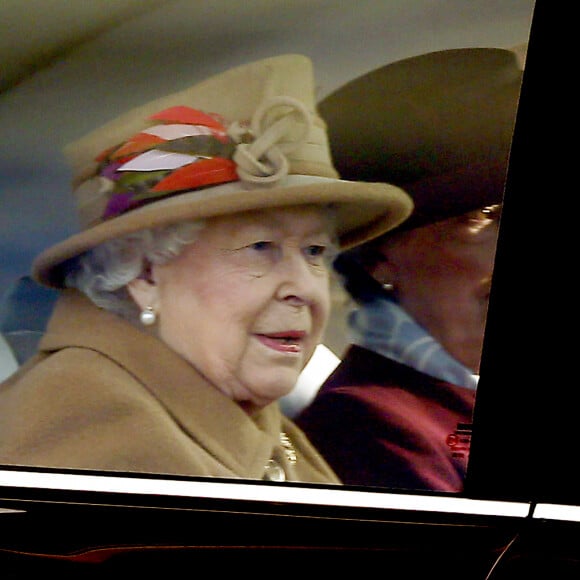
(363, 211)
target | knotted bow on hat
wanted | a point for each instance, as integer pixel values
(247, 139)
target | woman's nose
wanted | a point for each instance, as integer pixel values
(300, 282)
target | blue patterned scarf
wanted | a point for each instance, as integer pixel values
(384, 327)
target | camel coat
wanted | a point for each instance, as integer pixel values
(102, 394)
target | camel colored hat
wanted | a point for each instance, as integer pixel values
(247, 139)
(439, 125)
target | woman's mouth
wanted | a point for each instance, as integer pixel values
(287, 341)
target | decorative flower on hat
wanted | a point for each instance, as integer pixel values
(190, 149)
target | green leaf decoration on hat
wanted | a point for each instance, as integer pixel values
(139, 183)
(201, 145)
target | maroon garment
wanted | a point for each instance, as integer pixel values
(380, 423)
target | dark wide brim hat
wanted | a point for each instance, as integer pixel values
(439, 125)
(246, 139)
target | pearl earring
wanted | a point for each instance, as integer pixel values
(388, 287)
(148, 316)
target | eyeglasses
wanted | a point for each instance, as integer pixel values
(491, 212)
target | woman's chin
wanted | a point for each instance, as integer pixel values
(267, 391)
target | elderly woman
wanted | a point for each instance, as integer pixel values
(440, 126)
(199, 287)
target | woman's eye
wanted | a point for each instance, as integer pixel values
(324, 253)
(260, 246)
(316, 251)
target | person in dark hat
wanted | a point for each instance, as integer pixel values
(397, 410)
(198, 288)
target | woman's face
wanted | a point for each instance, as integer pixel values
(248, 301)
(442, 275)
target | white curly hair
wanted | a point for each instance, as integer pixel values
(102, 274)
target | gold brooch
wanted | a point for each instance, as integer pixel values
(289, 450)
